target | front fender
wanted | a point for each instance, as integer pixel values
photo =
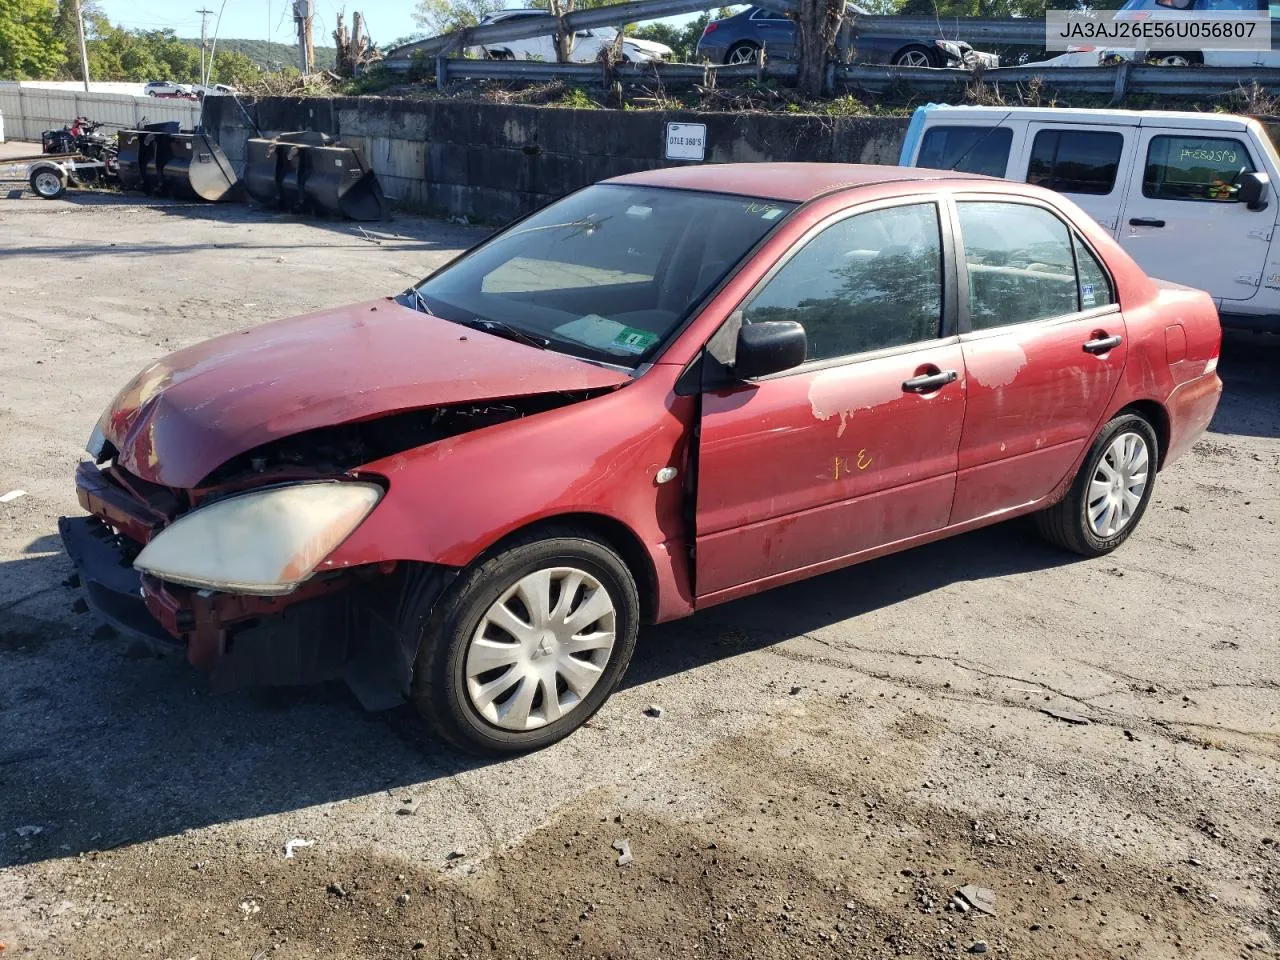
(449, 501)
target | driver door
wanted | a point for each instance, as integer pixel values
(856, 448)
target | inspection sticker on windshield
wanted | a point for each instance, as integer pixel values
(634, 341)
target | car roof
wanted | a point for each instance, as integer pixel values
(796, 182)
(1118, 118)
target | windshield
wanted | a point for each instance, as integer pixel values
(607, 273)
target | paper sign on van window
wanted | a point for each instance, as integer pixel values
(686, 141)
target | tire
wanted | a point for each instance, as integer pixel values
(742, 52)
(48, 183)
(1176, 59)
(1068, 523)
(911, 57)
(506, 709)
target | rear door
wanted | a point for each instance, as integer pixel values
(1182, 221)
(1044, 346)
(774, 31)
(856, 448)
(1089, 164)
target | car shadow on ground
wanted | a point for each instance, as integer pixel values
(103, 744)
(1250, 372)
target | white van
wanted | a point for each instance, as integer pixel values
(1190, 196)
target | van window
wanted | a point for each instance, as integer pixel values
(1020, 262)
(967, 149)
(1075, 161)
(1194, 168)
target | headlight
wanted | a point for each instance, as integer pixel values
(266, 542)
(97, 444)
(950, 48)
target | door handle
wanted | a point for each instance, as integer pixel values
(930, 381)
(1145, 222)
(1102, 344)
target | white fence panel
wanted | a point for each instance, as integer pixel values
(30, 110)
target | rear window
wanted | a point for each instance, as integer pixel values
(1194, 168)
(982, 150)
(1075, 161)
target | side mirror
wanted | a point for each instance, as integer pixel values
(765, 348)
(1253, 190)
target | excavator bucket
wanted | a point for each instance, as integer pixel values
(129, 158)
(197, 169)
(261, 171)
(339, 182)
(155, 154)
(309, 171)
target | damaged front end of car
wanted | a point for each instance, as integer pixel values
(242, 572)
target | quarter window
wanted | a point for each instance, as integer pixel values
(967, 149)
(1194, 168)
(1095, 285)
(869, 282)
(1020, 263)
(1075, 161)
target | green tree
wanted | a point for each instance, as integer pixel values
(28, 49)
(442, 16)
(234, 69)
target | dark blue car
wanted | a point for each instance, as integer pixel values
(739, 38)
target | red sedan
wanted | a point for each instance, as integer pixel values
(660, 393)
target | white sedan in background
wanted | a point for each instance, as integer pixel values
(588, 45)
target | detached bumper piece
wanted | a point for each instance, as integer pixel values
(311, 172)
(112, 588)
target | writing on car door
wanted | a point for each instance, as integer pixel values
(856, 448)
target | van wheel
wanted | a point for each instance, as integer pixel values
(526, 645)
(1110, 493)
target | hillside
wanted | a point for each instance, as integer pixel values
(271, 56)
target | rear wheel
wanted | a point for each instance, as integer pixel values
(527, 645)
(744, 52)
(1110, 493)
(48, 183)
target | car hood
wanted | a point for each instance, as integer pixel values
(189, 413)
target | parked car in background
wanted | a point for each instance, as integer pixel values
(739, 38)
(662, 392)
(170, 89)
(588, 45)
(1190, 196)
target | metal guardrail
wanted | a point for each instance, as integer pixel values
(1025, 31)
(1115, 80)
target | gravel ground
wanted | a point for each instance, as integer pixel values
(832, 762)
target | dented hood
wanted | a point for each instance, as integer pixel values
(187, 414)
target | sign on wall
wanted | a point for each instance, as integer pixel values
(686, 141)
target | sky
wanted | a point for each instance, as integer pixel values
(386, 20)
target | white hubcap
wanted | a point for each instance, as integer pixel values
(541, 648)
(48, 184)
(1118, 484)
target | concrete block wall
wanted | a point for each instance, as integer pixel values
(495, 163)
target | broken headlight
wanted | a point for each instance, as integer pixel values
(265, 542)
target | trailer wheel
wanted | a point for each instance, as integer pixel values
(49, 183)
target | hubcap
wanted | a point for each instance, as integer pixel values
(913, 58)
(1118, 484)
(541, 648)
(48, 183)
(742, 55)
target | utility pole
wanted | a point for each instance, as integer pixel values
(302, 20)
(204, 42)
(84, 52)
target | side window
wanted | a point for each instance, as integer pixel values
(763, 14)
(1194, 168)
(1075, 161)
(868, 282)
(1095, 285)
(1020, 263)
(967, 149)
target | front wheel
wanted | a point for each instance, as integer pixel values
(1110, 493)
(913, 57)
(527, 645)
